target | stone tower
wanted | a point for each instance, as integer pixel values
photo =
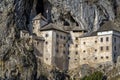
(38, 22)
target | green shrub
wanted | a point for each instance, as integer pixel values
(95, 76)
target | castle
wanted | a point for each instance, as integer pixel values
(67, 48)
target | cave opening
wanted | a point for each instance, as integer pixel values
(44, 7)
(40, 7)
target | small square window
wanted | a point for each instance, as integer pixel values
(115, 55)
(95, 50)
(95, 58)
(63, 52)
(37, 43)
(84, 51)
(95, 41)
(61, 36)
(68, 52)
(114, 39)
(101, 48)
(68, 45)
(115, 48)
(107, 57)
(46, 42)
(107, 47)
(102, 57)
(46, 35)
(57, 36)
(75, 59)
(101, 39)
(76, 53)
(46, 58)
(64, 37)
(57, 50)
(76, 38)
(68, 57)
(84, 42)
(69, 38)
(107, 38)
(76, 45)
(84, 58)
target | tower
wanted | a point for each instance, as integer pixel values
(38, 22)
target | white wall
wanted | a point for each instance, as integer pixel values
(47, 55)
(74, 49)
(91, 52)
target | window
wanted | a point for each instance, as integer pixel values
(37, 43)
(107, 38)
(61, 36)
(46, 42)
(76, 45)
(57, 50)
(84, 43)
(100, 66)
(57, 36)
(107, 47)
(95, 50)
(84, 51)
(68, 52)
(68, 45)
(95, 58)
(84, 58)
(76, 38)
(63, 52)
(101, 39)
(46, 35)
(102, 57)
(64, 37)
(46, 58)
(115, 48)
(76, 52)
(114, 39)
(64, 45)
(107, 57)
(95, 41)
(101, 48)
(68, 57)
(75, 59)
(69, 38)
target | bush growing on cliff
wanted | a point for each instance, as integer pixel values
(95, 76)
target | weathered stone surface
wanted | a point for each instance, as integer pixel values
(19, 63)
(89, 14)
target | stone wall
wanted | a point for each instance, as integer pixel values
(74, 49)
(47, 55)
(60, 49)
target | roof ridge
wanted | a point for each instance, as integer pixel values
(51, 26)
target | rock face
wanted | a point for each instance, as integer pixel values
(17, 61)
(88, 14)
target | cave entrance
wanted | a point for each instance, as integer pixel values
(40, 7)
(44, 7)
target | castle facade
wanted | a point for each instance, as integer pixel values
(68, 48)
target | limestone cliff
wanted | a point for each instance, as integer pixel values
(17, 61)
(88, 14)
